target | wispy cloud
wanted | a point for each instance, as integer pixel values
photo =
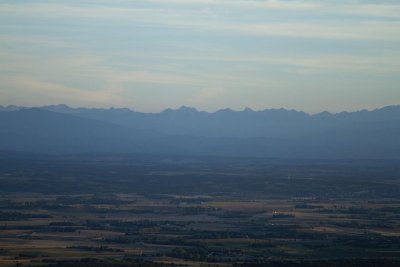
(207, 94)
(381, 9)
(98, 51)
(44, 92)
(196, 19)
(126, 8)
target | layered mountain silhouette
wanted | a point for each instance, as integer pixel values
(279, 133)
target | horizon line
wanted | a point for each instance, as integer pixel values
(184, 107)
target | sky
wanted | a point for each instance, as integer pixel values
(149, 55)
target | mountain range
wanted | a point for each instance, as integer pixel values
(272, 133)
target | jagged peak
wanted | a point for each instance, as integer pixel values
(10, 108)
(182, 109)
(224, 110)
(247, 109)
(388, 108)
(187, 109)
(323, 114)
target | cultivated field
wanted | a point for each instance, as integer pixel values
(169, 211)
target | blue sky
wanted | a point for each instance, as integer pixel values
(149, 55)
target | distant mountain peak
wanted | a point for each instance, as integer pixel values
(389, 108)
(225, 110)
(181, 110)
(323, 114)
(58, 106)
(394, 110)
(186, 109)
(10, 108)
(61, 108)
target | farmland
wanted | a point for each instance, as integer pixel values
(125, 211)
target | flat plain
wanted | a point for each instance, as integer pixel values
(94, 210)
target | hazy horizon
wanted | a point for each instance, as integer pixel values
(197, 109)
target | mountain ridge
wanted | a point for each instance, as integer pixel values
(184, 108)
(277, 133)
